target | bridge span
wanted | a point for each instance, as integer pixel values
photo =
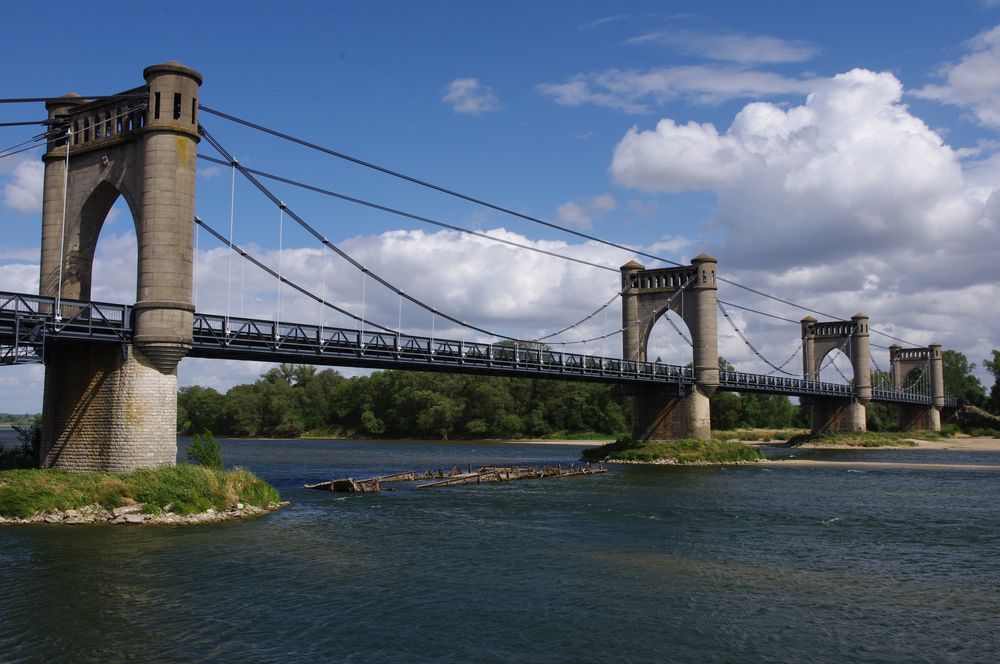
(111, 369)
(29, 322)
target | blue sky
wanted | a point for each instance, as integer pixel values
(842, 155)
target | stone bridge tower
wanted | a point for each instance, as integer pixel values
(818, 340)
(671, 412)
(109, 407)
(905, 360)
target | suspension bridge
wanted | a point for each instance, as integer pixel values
(110, 368)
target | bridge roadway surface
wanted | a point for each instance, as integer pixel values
(27, 323)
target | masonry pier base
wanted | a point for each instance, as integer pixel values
(836, 415)
(919, 417)
(106, 408)
(659, 413)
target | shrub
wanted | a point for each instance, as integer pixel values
(26, 454)
(949, 430)
(204, 450)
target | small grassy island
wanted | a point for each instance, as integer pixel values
(688, 451)
(170, 494)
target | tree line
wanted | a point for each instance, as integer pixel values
(291, 400)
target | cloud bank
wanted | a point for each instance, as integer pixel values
(846, 202)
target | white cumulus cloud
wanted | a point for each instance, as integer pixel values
(845, 202)
(468, 95)
(24, 191)
(582, 213)
(973, 81)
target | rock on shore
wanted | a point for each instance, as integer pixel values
(135, 515)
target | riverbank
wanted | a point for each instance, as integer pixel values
(131, 515)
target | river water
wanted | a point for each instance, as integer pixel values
(641, 564)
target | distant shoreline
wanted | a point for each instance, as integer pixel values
(489, 441)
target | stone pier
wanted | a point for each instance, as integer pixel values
(930, 361)
(110, 407)
(850, 337)
(660, 412)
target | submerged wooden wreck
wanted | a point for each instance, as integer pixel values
(457, 476)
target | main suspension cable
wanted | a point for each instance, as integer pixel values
(499, 208)
(408, 215)
(333, 247)
(753, 349)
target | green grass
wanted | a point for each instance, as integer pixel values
(861, 439)
(983, 432)
(760, 435)
(580, 435)
(189, 489)
(686, 451)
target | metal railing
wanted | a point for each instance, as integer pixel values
(26, 321)
(748, 382)
(219, 336)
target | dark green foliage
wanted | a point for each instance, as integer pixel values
(732, 410)
(204, 450)
(949, 430)
(881, 416)
(993, 366)
(735, 410)
(958, 379)
(26, 453)
(291, 400)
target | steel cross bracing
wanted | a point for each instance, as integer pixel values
(27, 322)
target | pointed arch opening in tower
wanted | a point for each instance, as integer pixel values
(835, 367)
(116, 257)
(669, 340)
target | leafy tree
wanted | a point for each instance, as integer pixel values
(371, 424)
(959, 381)
(993, 366)
(733, 410)
(880, 416)
(245, 409)
(201, 409)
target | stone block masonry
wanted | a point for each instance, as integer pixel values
(112, 408)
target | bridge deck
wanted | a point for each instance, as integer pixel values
(27, 323)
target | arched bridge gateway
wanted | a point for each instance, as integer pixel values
(111, 369)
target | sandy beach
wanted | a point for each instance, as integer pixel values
(874, 465)
(969, 444)
(957, 444)
(577, 443)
